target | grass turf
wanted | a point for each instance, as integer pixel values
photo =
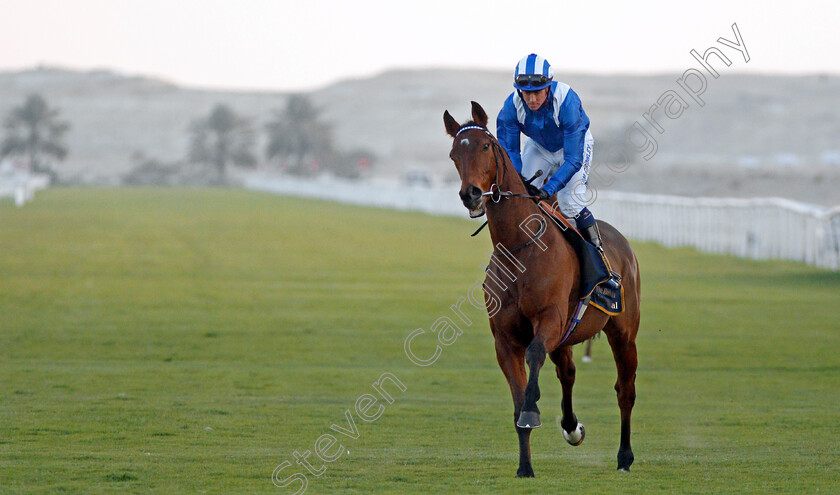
(190, 341)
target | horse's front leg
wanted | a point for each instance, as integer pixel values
(547, 329)
(573, 430)
(512, 362)
(535, 357)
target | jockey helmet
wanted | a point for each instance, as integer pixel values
(532, 73)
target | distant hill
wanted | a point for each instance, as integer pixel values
(114, 116)
(781, 125)
(758, 121)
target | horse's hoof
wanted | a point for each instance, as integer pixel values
(525, 473)
(529, 419)
(576, 437)
(625, 459)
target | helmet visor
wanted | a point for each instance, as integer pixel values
(535, 81)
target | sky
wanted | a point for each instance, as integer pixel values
(283, 45)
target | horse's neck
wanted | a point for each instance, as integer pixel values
(507, 218)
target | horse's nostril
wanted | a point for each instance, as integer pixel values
(470, 195)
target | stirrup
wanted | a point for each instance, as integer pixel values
(592, 235)
(614, 282)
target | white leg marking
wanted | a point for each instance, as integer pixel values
(576, 436)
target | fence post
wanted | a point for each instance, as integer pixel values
(20, 195)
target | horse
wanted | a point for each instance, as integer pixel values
(529, 315)
(587, 354)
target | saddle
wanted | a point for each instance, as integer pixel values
(594, 268)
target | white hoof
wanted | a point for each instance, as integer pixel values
(586, 359)
(576, 437)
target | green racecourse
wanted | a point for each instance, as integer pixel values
(189, 341)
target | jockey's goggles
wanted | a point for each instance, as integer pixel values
(525, 81)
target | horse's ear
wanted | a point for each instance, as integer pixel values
(451, 124)
(479, 115)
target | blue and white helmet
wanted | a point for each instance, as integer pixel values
(532, 73)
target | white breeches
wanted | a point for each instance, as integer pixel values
(573, 197)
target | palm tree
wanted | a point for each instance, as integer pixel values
(221, 138)
(297, 135)
(35, 133)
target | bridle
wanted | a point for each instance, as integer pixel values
(495, 193)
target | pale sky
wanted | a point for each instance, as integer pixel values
(302, 45)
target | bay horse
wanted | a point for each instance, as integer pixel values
(529, 315)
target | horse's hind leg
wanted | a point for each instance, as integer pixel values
(587, 355)
(573, 431)
(623, 343)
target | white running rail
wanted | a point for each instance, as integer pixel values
(762, 228)
(767, 228)
(21, 187)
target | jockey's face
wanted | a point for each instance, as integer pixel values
(535, 99)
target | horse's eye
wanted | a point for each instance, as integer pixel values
(486, 146)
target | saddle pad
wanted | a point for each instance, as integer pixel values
(608, 300)
(593, 267)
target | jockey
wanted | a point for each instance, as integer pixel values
(557, 141)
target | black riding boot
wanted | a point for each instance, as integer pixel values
(593, 235)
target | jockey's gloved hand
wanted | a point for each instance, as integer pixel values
(542, 193)
(533, 190)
